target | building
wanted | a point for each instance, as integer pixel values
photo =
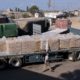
(52, 14)
(16, 14)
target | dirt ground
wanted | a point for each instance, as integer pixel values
(75, 22)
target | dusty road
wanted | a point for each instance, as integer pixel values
(62, 71)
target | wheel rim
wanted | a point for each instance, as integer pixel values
(15, 62)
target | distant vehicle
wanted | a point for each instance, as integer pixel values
(30, 26)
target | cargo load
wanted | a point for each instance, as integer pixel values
(22, 45)
(13, 46)
(64, 43)
(37, 43)
(75, 42)
(54, 44)
(30, 46)
(2, 45)
(71, 40)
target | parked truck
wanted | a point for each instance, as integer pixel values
(21, 51)
(20, 57)
(32, 26)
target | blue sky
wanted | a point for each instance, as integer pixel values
(56, 4)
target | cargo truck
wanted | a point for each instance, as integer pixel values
(19, 60)
(16, 59)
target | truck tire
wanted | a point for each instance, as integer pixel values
(73, 56)
(2, 64)
(15, 62)
(78, 55)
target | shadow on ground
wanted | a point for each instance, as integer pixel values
(22, 74)
(75, 75)
(56, 66)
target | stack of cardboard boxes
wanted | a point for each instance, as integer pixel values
(30, 44)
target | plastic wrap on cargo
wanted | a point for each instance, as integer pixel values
(54, 44)
(50, 33)
(30, 46)
(64, 42)
(73, 39)
(26, 37)
(51, 38)
(44, 41)
(36, 43)
(78, 41)
(68, 41)
(2, 45)
(72, 42)
(13, 46)
(36, 37)
(43, 45)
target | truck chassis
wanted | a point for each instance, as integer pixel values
(37, 57)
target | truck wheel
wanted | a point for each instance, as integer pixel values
(78, 56)
(73, 56)
(15, 62)
(2, 64)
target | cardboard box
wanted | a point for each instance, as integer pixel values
(13, 46)
(30, 46)
(64, 43)
(54, 44)
(2, 45)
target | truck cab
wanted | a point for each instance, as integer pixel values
(32, 26)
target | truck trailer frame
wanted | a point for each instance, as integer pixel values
(37, 57)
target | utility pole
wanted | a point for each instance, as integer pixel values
(49, 4)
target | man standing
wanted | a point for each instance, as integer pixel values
(46, 59)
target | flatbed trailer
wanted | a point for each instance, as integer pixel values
(37, 57)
